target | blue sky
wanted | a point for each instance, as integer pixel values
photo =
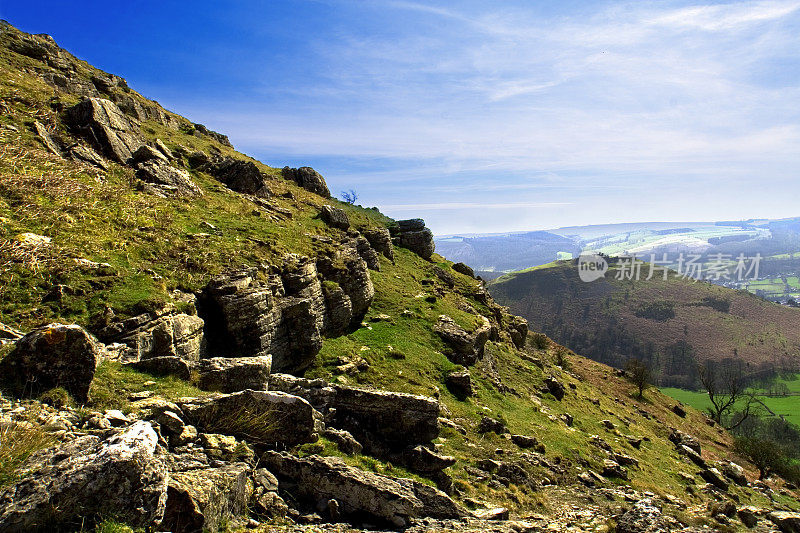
(480, 116)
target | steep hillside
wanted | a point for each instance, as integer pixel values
(214, 344)
(674, 323)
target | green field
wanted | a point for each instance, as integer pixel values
(788, 406)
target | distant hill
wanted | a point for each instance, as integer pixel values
(506, 252)
(673, 324)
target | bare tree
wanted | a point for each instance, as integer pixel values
(727, 390)
(349, 196)
(639, 374)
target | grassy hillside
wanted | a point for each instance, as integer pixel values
(674, 323)
(156, 250)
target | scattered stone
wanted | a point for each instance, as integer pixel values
(787, 522)
(614, 469)
(344, 441)
(233, 374)
(645, 517)
(555, 388)
(240, 176)
(464, 348)
(749, 516)
(679, 410)
(725, 508)
(495, 513)
(389, 500)
(734, 472)
(83, 153)
(56, 355)
(46, 139)
(714, 477)
(491, 425)
(525, 441)
(165, 179)
(682, 439)
(381, 241)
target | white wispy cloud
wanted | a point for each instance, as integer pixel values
(630, 96)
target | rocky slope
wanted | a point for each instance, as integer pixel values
(195, 341)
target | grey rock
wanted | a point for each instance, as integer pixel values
(157, 334)
(357, 492)
(787, 522)
(459, 382)
(645, 517)
(714, 477)
(465, 269)
(207, 499)
(381, 241)
(518, 330)
(309, 179)
(232, 374)
(734, 472)
(365, 251)
(525, 441)
(7, 333)
(419, 242)
(424, 460)
(334, 217)
(147, 153)
(351, 273)
(260, 417)
(240, 176)
(343, 440)
(102, 123)
(166, 179)
(555, 388)
(56, 355)
(89, 478)
(83, 153)
(682, 439)
(489, 424)
(46, 138)
(464, 348)
(614, 469)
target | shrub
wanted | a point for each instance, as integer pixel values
(660, 310)
(540, 341)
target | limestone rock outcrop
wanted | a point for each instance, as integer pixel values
(334, 217)
(359, 493)
(381, 241)
(101, 122)
(413, 234)
(309, 179)
(161, 333)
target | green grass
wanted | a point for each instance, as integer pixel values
(114, 382)
(788, 406)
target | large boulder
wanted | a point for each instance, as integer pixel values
(359, 494)
(463, 347)
(74, 484)
(240, 176)
(163, 333)
(56, 355)
(166, 180)
(381, 419)
(102, 124)
(787, 521)
(232, 374)
(309, 179)
(259, 417)
(413, 234)
(207, 499)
